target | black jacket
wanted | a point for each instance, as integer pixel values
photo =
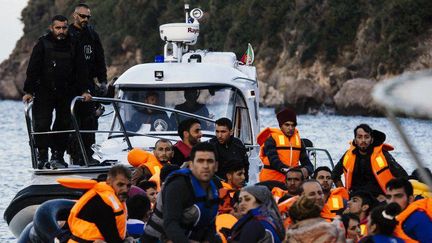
(90, 57)
(51, 66)
(234, 149)
(363, 177)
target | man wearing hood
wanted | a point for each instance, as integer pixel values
(367, 164)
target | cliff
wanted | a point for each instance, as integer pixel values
(310, 54)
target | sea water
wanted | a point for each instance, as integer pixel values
(325, 131)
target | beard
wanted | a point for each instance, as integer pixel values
(60, 37)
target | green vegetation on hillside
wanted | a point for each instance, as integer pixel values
(307, 29)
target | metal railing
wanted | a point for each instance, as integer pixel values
(115, 103)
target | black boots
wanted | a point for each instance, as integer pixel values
(42, 158)
(57, 160)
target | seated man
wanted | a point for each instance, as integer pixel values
(235, 174)
(158, 120)
(336, 198)
(191, 105)
(361, 204)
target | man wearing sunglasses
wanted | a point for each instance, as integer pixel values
(50, 77)
(90, 66)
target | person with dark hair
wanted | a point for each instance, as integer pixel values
(367, 164)
(421, 189)
(381, 224)
(415, 224)
(235, 181)
(186, 210)
(148, 165)
(294, 179)
(309, 226)
(156, 120)
(150, 188)
(90, 65)
(260, 221)
(100, 214)
(166, 171)
(311, 189)
(336, 199)
(282, 149)
(138, 212)
(228, 147)
(191, 105)
(360, 204)
(351, 224)
(51, 75)
(189, 131)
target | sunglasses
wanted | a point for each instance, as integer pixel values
(83, 16)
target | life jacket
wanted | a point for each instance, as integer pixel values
(278, 193)
(423, 205)
(82, 230)
(420, 189)
(335, 201)
(265, 221)
(284, 209)
(226, 194)
(288, 150)
(363, 230)
(207, 208)
(57, 63)
(224, 223)
(379, 165)
(140, 158)
(285, 206)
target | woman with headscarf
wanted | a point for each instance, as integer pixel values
(261, 221)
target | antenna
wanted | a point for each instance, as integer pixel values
(179, 36)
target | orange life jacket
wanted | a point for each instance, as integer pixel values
(379, 165)
(424, 205)
(288, 150)
(286, 205)
(335, 200)
(140, 158)
(363, 230)
(84, 230)
(226, 193)
(226, 221)
(278, 193)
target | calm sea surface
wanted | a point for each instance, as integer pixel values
(330, 132)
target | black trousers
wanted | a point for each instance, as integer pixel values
(87, 120)
(44, 104)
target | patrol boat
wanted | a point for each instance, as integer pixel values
(150, 101)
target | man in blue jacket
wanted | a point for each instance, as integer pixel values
(415, 222)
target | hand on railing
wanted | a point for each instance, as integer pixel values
(86, 96)
(27, 98)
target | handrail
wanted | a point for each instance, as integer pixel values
(78, 132)
(27, 107)
(311, 149)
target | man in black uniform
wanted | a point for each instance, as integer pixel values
(228, 148)
(50, 77)
(91, 64)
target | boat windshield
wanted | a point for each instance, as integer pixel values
(210, 102)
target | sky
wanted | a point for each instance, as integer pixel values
(11, 26)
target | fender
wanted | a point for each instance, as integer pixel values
(44, 227)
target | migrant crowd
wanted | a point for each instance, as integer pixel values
(205, 195)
